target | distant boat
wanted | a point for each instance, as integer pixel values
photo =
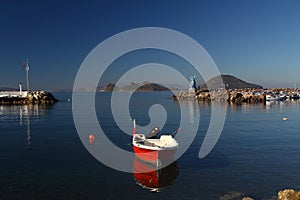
(274, 98)
(295, 96)
(154, 148)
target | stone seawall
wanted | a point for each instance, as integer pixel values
(34, 97)
(226, 96)
(244, 97)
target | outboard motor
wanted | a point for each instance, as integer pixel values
(154, 133)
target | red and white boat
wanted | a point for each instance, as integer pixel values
(154, 148)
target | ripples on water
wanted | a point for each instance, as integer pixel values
(42, 156)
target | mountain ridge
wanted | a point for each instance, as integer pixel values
(138, 87)
(231, 82)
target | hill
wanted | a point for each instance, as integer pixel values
(140, 87)
(144, 87)
(231, 82)
(107, 88)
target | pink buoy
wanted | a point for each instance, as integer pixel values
(92, 138)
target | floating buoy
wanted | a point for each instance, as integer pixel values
(92, 138)
(285, 119)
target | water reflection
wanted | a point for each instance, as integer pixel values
(24, 114)
(192, 110)
(281, 105)
(154, 180)
(28, 131)
(268, 106)
(245, 106)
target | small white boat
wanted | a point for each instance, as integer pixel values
(274, 98)
(154, 148)
(295, 96)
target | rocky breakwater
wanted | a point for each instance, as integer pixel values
(233, 96)
(33, 97)
(200, 96)
(244, 97)
(226, 88)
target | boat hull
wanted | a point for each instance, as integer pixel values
(154, 156)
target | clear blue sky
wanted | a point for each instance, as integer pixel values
(258, 40)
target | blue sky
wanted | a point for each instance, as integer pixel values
(258, 41)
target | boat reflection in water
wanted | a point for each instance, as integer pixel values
(151, 177)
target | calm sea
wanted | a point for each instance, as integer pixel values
(42, 157)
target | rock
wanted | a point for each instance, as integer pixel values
(262, 97)
(288, 194)
(237, 95)
(247, 198)
(174, 97)
(228, 96)
(233, 195)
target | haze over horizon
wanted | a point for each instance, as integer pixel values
(257, 41)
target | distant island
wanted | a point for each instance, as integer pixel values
(231, 82)
(140, 87)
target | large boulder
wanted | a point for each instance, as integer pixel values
(236, 97)
(44, 97)
(262, 97)
(234, 195)
(288, 194)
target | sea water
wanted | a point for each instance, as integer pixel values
(42, 156)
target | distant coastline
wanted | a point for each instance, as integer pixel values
(229, 82)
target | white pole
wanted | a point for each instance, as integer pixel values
(28, 129)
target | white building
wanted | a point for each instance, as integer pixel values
(19, 93)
